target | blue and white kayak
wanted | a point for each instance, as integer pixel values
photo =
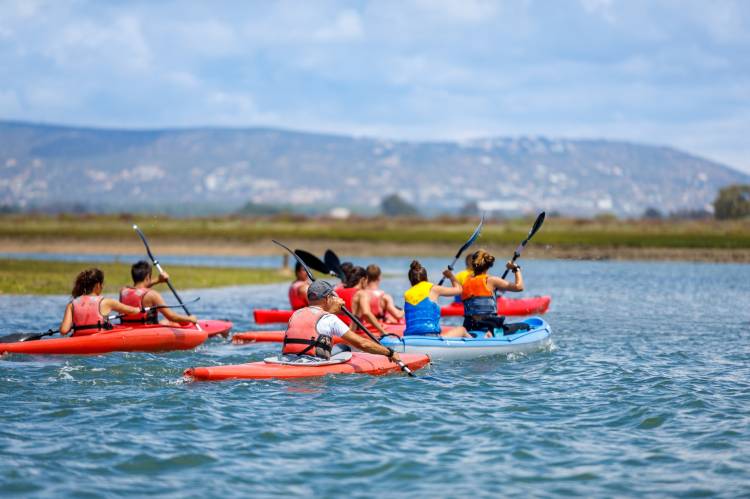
(441, 348)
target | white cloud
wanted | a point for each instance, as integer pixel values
(346, 26)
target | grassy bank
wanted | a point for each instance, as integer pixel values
(42, 277)
(556, 231)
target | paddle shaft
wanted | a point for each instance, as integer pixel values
(517, 253)
(466, 246)
(161, 271)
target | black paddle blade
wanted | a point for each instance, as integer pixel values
(333, 263)
(537, 225)
(19, 337)
(312, 261)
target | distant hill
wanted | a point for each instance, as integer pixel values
(202, 170)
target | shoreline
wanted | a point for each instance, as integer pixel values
(220, 247)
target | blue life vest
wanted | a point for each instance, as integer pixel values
(422, 315)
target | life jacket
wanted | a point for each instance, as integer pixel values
(461, 278)
(296, 300)
(422, 314)
(302, 337)
(477, 297)
(347, 294)
(87, 316)
(133, 297)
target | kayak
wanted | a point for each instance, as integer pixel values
(356, 363)
(216, 328)
(143, 338)
(278, 335)
(440, 348)
(505, 306)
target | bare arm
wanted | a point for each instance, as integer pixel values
(363, 302)
(67, 323)
(154, 299)
(367, 345)
(454, 290)
(109, 305)
(498, 283)
(391, 308)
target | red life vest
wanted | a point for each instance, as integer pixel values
(133, 297)
(302, 337)
(376, 300)
(347, 294)
(87, 315)
(296, 300)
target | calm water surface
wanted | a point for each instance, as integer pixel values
(646, 390)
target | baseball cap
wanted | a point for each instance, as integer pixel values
(318, 290)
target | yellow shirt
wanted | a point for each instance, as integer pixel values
(463, 275)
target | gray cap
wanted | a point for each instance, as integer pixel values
(318, 290)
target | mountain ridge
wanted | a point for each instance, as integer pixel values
(228, 166)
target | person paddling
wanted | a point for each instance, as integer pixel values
(465, 273)
(298, 289)
(381, 303)
(357, 299)
(421, 309)
(88, 311)
(478, 294)
(141, 295)
(311, 329)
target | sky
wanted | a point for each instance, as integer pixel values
(672, 72)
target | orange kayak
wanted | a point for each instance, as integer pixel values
(215, 328)
(143, 338)
(359, 363)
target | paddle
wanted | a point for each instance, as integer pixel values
(343, 308)
(517, 253)
(161, 271)
(19, 337)
(333, 263)
(314, 262)
(466, 246)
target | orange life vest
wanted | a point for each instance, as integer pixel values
(347, 294)
(376, 297)
(302, 337)
(133, 297)
(478, 298)
(296, 300)
(87, 315)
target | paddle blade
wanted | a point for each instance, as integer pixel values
(333, 263)
(472, 239)
(312, 261)
(537, 225)
(19, 337)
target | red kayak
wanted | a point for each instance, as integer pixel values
(216, 328)
(143, 338)
(532, 305)
(357, 363)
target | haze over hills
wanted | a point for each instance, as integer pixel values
(195, 171)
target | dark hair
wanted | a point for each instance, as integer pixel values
(297, 267)
(347, 267)
(373, 273)
(470, 259)
(353, 278)
(417, 273)
(86, 281)
(140, 270)
(482, 262)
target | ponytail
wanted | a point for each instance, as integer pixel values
(417, 273)
(482, 262)
(86, 281)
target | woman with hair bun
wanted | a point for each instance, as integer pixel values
(88, 310)
(421, 310)
(478, 295)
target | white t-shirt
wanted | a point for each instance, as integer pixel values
(330, 325)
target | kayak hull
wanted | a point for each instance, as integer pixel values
(505, 306)
(439, 348)
(360, 363)
(216, 328)
(147, 338)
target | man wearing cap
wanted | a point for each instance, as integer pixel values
(311, 329)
